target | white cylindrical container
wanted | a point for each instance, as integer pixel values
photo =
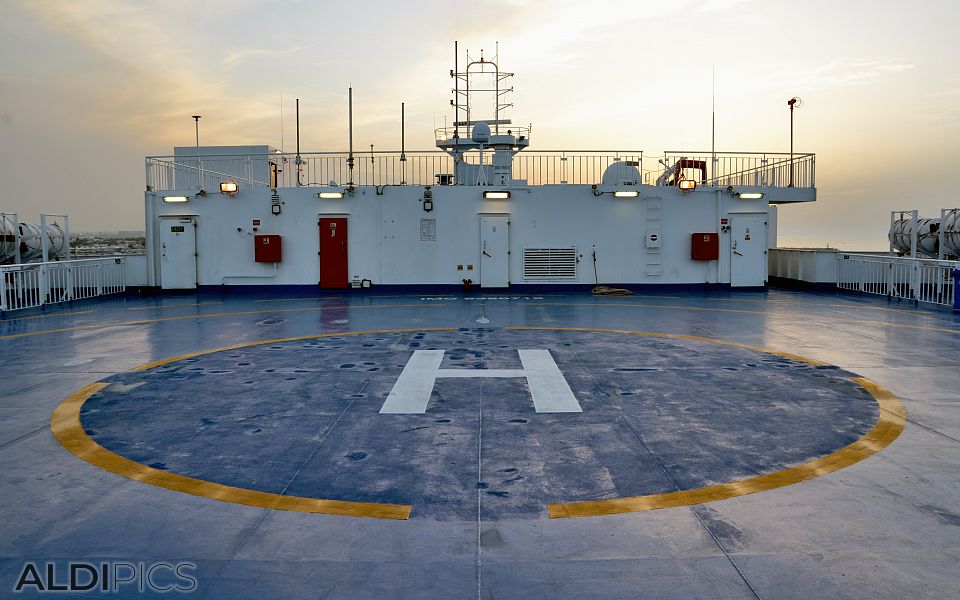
(951, 232)
(928, 236)
(31, 247)
(8, 240)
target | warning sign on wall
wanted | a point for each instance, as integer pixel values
(428, 230)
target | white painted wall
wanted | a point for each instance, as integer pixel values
(385, 244)
(814, 265)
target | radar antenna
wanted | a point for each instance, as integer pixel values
(481, 76)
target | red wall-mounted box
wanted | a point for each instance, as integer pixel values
(266, 248)
(705, 246)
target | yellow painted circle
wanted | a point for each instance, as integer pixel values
(67, 428)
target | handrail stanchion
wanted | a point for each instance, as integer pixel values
(956, 290)
(3, 291)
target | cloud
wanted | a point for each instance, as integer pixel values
(242, 55)
(852, 71)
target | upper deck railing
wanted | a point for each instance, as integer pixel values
(722, 169)
(435, 167)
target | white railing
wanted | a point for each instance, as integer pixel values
(921, 280)
(35, 284)
(370, 168)
(754, 169)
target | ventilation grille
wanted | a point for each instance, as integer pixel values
(544, 264)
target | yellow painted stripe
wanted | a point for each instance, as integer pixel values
(47, 316)
(172, 306)
(166, 361)
(67, 428)
(642, 305)
(749, 312)
(210, 316)
(888, 427)
(297, 299)
(755, 300)
(683, 337)
(904, 325)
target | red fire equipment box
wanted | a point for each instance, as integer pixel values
(266, 248)
(705, 246)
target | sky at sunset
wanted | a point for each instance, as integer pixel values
(87, 89)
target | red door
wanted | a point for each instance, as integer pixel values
(333, 253)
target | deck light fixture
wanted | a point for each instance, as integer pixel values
(175, 198)
(229, 187)
(626, 194)
(687, 185)
(750, 195)
(497, 195)
(330, 195)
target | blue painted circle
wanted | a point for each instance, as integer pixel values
(302, 418)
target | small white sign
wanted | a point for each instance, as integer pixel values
(428, 230)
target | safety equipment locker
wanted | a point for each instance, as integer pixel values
(705, 246)
(266, 248)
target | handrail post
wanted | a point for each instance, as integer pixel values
(3, 291)
(956, 290)
(915, 282)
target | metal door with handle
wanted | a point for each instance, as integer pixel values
(748, 250)
(333, 253)
(178, 254)
(495, 251)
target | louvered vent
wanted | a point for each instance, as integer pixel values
(545, 264)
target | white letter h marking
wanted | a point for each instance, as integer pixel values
(411, 393)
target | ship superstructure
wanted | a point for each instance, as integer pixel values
(482, 209)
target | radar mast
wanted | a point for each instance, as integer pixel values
(475, 130)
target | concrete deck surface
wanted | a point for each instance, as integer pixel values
(886, 527)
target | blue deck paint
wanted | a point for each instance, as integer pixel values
(899, 508)
(302, 418)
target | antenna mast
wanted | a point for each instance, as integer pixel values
(713, 123)
(350, 127)
(403, 145)
(299, 161)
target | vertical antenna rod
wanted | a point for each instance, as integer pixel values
(299, 162)
(456, 93)
(713, 123)
(350, 126)
(456, 107)
(403, 144)
(196, 121)
(496, 110)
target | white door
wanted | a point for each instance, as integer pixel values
(495, 251)
(748, 250)
(178, 254)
